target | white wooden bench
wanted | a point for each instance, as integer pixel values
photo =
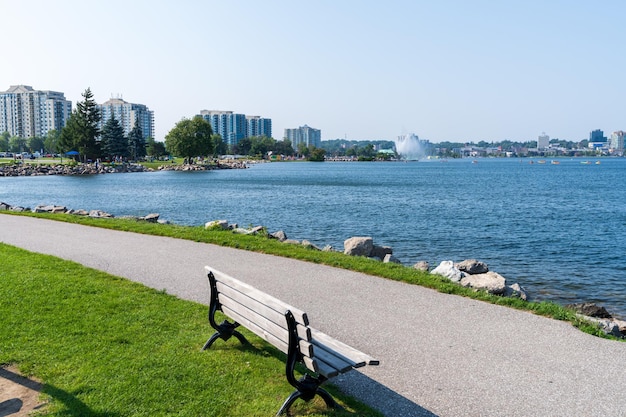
(285, 327)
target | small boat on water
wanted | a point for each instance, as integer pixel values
(553, 162)
(586, 162)
(597, 162)
(541, 161)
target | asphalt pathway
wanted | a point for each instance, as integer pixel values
(441, 355)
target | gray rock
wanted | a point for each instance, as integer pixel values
(328, 248)
(309, 245)
(163, 221)
(358, 246)
(472, 266)
(4, 206)
(215, 224)
(422, 266)
(389, 258)
(448, 270)
(381, 251)
(590, 310)
(257, 229)
(151, 218)
(280, 235)
(516, 290)
(491, 282)
(291, 241)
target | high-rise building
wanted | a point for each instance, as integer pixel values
(233, 127)
(258, 126)
(597, 136)
(126, 114)
(26, 112)
(304, 134)
(617, 141)
(543, 141)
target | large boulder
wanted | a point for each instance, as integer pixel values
(590, 310)
(472, 266)
(492, 282)
(516, 290)
(150, 218)
(217, 224)
(448, 270)
(381, 251)
(358, 246)
(280, 235)
(422, 266)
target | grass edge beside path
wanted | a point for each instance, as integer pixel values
(107, 346)
(261, 244)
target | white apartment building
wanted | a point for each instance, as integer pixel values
(304, 134)
(26, 112)
(543, 141)
(616, 142)
(126, 114)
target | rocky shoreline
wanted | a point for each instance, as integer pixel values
(469, 273)
(17, 170)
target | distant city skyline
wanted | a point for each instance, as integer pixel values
(446, 71)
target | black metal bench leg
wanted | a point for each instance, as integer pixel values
(328, 399)
(225, 331)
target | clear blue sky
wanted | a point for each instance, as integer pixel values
(444, 70)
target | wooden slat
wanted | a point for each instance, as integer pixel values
(339, 363)
(320, 367)
(341, 349)
(253, 317)
(254, 293)
(228, 295)
(268, 337)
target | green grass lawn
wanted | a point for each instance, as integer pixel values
(106, 346)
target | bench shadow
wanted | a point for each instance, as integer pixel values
(378, 396)
(74, 406)
(357, 385)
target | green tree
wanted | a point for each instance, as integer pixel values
(112, 140)
(81, 131)
(221, 147)
(261, 145)
(190, 138)
(35, 144)
(243, 147)
(17, 144)
(155, 149)
(51, 142)
(284, 147)
(4, 141)
(136, 142)
(316, 154)
(303, 149)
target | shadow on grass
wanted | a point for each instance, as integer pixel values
(74, 407)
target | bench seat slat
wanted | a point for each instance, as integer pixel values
(341, 349)
(232, 295)
(276, 304)
(254, 328)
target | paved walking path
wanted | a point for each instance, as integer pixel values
(441, 355)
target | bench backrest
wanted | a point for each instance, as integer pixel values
(264, 315)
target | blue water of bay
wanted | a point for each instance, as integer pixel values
(558, 230)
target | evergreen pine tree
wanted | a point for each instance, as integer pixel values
(136, 142)
(81, 131)
(113, 141)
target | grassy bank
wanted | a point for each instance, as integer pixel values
(262, 244)
(105, 346)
